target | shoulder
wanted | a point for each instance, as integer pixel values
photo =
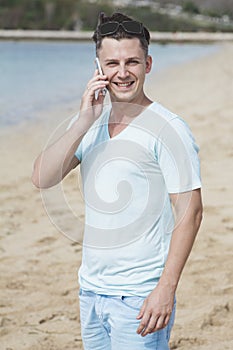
(171, 120)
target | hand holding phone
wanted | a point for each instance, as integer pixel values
(98, 66)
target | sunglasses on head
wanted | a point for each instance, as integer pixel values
(131, 27)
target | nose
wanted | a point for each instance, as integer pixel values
(122, 72)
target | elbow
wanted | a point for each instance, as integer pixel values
(39, 184)
(35, 177)
(38, 179)
(199, 216)
(35, 180)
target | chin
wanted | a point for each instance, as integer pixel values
(127, 97)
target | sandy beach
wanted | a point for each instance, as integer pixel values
(39, 307)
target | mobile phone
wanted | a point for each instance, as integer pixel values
(98, 66)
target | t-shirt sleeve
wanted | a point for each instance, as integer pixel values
(177, 155)
(78, 152)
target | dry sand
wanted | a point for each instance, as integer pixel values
(38, 291)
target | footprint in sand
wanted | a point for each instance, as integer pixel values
(46, 240)
(217, 317)
(186, 342)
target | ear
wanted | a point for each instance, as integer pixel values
(148, 64)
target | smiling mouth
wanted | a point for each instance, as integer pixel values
(124, 85)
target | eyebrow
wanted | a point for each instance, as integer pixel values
(127, 59)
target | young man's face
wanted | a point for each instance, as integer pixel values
(125, 64)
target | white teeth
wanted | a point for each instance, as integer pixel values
(123, 84)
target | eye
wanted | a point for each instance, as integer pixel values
(111, 64)
(133, 62)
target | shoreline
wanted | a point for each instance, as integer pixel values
(160, 37)
(165, 57)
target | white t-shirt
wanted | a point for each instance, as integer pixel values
(126, 184)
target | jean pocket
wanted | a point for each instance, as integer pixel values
(85, 293)
(133, 302)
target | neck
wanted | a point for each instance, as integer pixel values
(125, 111)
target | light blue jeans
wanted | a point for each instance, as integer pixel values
(109, 323)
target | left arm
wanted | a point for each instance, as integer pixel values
(157, 307)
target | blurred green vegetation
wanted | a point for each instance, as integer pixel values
(190, 7)
(160, 22)
(82, 15)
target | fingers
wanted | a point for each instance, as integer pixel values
(143, 324)
(99, 96)
(142, 310)
(94, 93)
(151, 324)
(97, 82)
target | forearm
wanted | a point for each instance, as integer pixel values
(157, 307)
(180, 248)
(58, 159)
(54, 163)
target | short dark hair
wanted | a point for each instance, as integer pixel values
(144, 37)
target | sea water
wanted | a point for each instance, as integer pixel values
(36, 75)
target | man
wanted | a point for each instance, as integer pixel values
(138, 235)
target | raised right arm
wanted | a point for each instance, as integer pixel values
(54, 163)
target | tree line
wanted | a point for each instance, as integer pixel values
(82, 15)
